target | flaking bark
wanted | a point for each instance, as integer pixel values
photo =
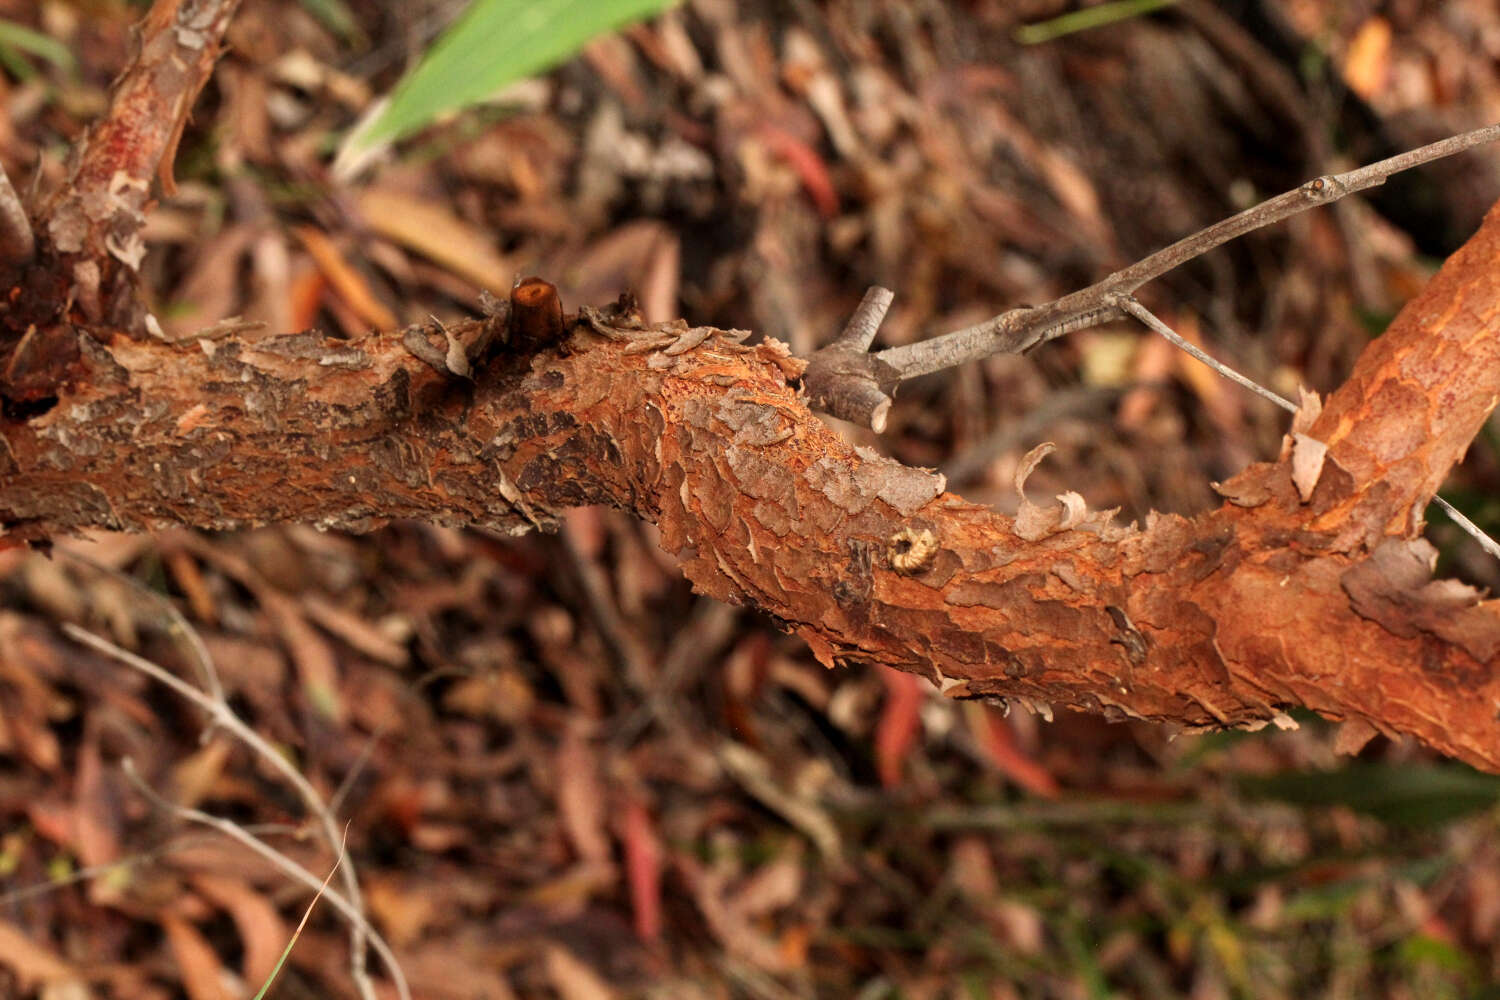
(1226, 619)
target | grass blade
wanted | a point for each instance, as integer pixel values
(494, 43)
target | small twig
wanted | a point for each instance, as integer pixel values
(1473, 530)
(17, 240)
(178, 843)
(1132, 306)
(865, 322)
(1021, 329)
(336, 800)
(855, 385)
(179, 629)
(844, 379)
(222, 715)
(284, 864)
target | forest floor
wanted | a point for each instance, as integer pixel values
(564, 775)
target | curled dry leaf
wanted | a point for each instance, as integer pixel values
(1307, 464)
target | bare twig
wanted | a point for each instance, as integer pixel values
(336, 800)
(176, 843)
(1020, 330)
(1132, 306)
(178, 629)
(860, 331)
(17, 241)
(284, 864)
(222, 715)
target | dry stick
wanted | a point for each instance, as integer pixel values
(1021, 329)
(221, 714)
(336, 800)
(860, 331)
(1132, 306)
(282, 863)
(17, 241)
(179, 629)
(840, 383)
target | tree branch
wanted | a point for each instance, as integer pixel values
(1146, 316)
(94, 221)
(1226, 619)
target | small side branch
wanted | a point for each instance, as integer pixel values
(220, 714)
(1149, 318)
(846, 375)
(843, 379)
(288, 867)
(96, 218)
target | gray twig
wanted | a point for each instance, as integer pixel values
(839, 380)
(1021, 329)
(860, 331)
(282, 863)
(222, 715)
(844, 379)
(1130, 304)
(178, 629)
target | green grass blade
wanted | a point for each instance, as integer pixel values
(494, 43)
(1087, 19)
(286, 952)
(24, 39)
(1411, 795)
(334, 15)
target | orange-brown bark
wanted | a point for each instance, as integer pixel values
(93, 224)
(1226, 619)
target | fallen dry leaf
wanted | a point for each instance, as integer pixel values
(34, 964)
(432, 230)
(198, 966)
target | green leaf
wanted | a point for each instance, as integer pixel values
(494, 43)
(1413, 796)
(24, 39)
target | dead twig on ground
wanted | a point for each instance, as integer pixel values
(282, 863)
(222, 715)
